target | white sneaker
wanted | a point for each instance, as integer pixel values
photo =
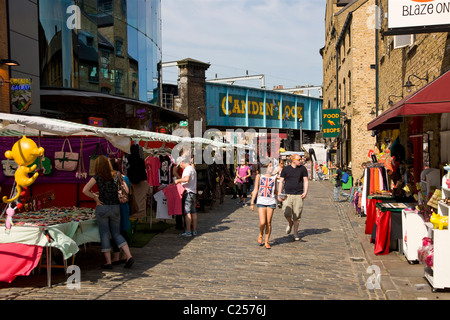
(289, 228)
(186, 234)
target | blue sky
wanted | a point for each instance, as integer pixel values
(278, 38)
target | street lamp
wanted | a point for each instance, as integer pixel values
(389, 98)
(408, 85)
(9, 62)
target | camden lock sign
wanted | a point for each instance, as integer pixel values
(331, 123)
(237, 107)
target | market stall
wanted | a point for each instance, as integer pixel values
(66, 153)
(64, 229)
(420, 170)
(387, 230)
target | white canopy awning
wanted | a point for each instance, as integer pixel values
(18, 125)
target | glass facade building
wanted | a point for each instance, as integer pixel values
(106, 46)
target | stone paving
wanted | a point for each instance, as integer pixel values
(332, 261)
(224, 261)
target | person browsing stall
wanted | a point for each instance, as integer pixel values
(243, 172)
(294, 178)
(107, 210)
(189, 181)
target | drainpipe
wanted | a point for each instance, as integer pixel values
(377, 85)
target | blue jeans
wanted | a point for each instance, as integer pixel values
(108, 221)
(338, 191)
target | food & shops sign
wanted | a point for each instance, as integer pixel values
(331, 123)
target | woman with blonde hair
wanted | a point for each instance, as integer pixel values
(265, 184)
(107, 210)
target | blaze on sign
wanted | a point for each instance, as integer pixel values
(418, 13)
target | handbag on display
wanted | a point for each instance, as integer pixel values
(122, 189)
(93, 157)
(43, 163)
(9, 167)
(81, 173)
(66, 161)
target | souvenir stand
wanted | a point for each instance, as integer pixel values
(24, 236)
(434, 252)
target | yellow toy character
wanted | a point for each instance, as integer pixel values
(438, 221)
(24, 152)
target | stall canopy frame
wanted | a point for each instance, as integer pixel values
(121, 138)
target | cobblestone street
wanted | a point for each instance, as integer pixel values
(224, 261)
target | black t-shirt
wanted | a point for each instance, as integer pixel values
(293, 179)
(338, 178)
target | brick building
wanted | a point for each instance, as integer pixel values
(349, 77)
(4, 54)
(418, 58)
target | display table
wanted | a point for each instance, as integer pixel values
(62, 228)
(414, 230)
(388, 225)
(371, 210)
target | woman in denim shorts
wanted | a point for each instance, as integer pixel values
(107, 211)
(264, 191)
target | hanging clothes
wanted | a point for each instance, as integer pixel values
(165, 169)
(153, 165)
(162, 211)
(375, 180)
(174, 195)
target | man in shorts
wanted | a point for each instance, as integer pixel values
(189, 181)
(295, 180)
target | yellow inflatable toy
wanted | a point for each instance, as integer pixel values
(24, 152)
(438, 221)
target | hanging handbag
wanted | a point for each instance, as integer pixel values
(43, 164)
(66, 161)
(93, 157)
(81, 173)
(9, 167)
(122, 189)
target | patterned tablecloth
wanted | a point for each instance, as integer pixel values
(62, 228)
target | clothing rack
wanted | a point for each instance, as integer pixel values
(375, 165)
(163, 150)
(367, 181)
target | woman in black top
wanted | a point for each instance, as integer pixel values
(107, 210)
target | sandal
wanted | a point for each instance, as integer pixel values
(267, 246)
(260, 240)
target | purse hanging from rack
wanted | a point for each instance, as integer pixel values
(9, 167)
(81, 172)
(93, 157)
(43, 164)
(66, 161)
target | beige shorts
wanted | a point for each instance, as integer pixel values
(293, 206)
